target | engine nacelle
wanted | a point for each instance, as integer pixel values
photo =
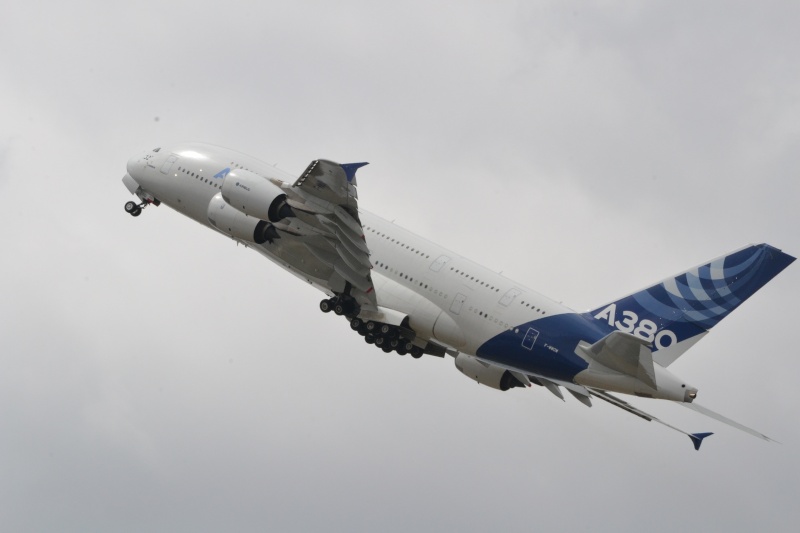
(233, 222)
(255, 196)
(486, 374)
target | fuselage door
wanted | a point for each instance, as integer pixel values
(440, 261)
(530, 339)
(458, 302)
(509, 296)
(168, 163)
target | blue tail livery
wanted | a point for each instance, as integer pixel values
(675, 313)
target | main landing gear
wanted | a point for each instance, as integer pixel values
(384, 336)
(340, 305)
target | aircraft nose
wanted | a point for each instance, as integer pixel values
(133, 164)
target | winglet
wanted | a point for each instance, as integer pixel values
(350, 169)
(697, 439)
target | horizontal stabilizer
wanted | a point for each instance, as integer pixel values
(627, 354)
(725, 420)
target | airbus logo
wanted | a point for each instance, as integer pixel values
(222, 173)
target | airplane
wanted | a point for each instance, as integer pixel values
(405, 294)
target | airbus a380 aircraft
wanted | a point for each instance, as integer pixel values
(406, 294)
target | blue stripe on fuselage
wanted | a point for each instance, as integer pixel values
(553, 352)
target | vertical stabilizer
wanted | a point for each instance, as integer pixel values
(675, 313)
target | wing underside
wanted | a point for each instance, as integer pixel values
(327, 224)
(584, 395)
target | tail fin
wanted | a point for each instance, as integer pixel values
(677, 312)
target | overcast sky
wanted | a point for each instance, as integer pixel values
(156, 377)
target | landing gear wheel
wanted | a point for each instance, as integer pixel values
(386, 349)
(339, 309)
(369, 338)
(416, 352)
(130, 207)
(371, 326)
(137, 212)
(401, 351)
(356, 323)
(385, 329)
(394, 343)
(325, 306)
(379, 341)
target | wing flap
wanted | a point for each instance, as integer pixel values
(326, 195)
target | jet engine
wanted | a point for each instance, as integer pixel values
(486, 374)
(255, 195)
(238, 225)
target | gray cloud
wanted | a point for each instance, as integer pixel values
(157, 377)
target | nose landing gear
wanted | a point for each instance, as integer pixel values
(134, 209)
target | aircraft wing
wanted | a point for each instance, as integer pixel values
(324, 198)
(725, 420)
(584, 394)
(581, 393)
(697, 438)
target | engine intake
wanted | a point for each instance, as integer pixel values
(485, 373)
(238, 225)
(255, 195)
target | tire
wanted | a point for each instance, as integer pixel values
(380, 341)
(130, 207)
(401, 351)
(394, 343)
(369, 338)
(386, 349)
(339, 309)
(385, 329)
(137, 212)
(416, 352)
(371, 326)
(356, 323)
(325, 306)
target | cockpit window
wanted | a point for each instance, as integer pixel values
(156, 149)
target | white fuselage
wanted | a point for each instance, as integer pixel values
(442, 296)
(407, 269)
